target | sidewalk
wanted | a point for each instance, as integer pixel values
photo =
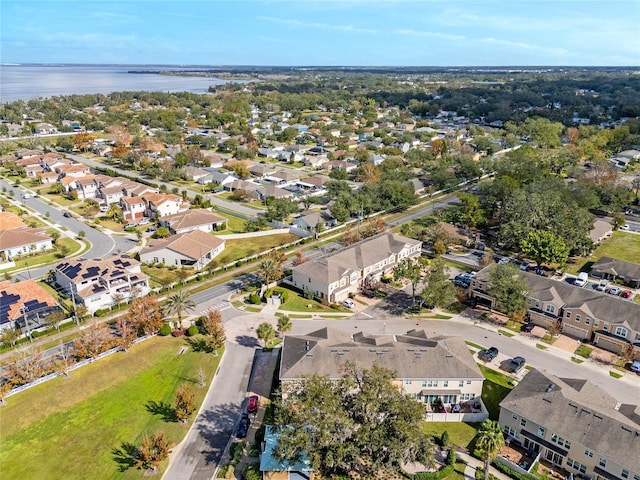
(473, 463)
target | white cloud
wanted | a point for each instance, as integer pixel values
(420, 33)
(526, 46)
(318, 25)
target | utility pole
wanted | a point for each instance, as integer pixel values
(73, 301)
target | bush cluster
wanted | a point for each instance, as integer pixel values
(165, 330)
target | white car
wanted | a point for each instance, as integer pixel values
(144, 221)
(625, 227)
(26, 196)
(104, 209)
(349, 303)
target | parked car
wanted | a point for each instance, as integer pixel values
(516, 364)
(349, 303)
(524, 266)
(253, 404)
(67, 215)
(615, 291)
(527, 327)
(131, 225)
(104, 208)
(144, 221)
(504, 260)
(243, 426)
(488, 354)
(625, 227)
(582, 279)
(151, 229)
(626, 294)
(460, 283)
(635, 366)
(26, 196)
(602, 286)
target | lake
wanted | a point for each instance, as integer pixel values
(23, 82)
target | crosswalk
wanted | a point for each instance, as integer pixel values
(217, 306)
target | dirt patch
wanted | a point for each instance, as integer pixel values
(566, 343)
(603, 356)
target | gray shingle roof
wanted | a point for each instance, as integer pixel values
(355, 257)
(617, 267)
(581, 412)
(411, 356)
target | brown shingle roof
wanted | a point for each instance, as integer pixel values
(9, 220)
(192, 218)
(17, 237)
(194, 244)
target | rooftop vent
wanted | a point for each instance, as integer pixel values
(411, 349)
(627, 429)
(306, 345)
(597, 416)
(584, 410)
(550, 387)
(340, 353)
(334, 350)
(546, 399)
(346, 350)
(571, 404)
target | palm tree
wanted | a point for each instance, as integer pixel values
(490, 440)
(114, 211)
(179, 302)
(265, 332)
(284, 324)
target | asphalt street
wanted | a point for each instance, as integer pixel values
(102, 245)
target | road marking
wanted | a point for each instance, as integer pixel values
(366, 314)
(218, 306)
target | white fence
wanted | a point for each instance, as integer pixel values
(456, 417)
(75, 366)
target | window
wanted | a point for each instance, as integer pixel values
(445, 383)
(625, 473)
(461, 383)
(424, 384)
(541, 432)
(576, 465)
(514, 416)
(602, 462)
(587, 321)
(588, 453)
(432, 383)
(568, 315)
(560, 441)
(468, 382)
(596, 323)
(510, 432)
(577, 318)
(636, 477)
(621, 332)
(551, 309)
(407, 382)
(523, 422)
(605, 326)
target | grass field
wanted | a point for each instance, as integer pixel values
(495, 388)
(621, 245)
(72, 428)
(296, 303)
(238, 249)
(47, 258)
(234, 224)
(460, 434)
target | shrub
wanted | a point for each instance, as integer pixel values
(252, 473)
(177, 333)
(235, 451)
(255, 299)
(444, 439)
(100, 312)
(451, 458)
(192, 330)
(440, 474)
(227, 471)
(165, 330)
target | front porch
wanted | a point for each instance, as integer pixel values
(470, 411)
(518, 458)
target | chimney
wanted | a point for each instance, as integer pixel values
(306, 345)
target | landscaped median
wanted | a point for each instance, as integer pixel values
(96, 417)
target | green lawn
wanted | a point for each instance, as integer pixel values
(234, 224)
(46, 258)
(238, 249)
(297, 303)
(621, 245)
(495, 388)
(159, 273)
(460, 434)
(72, 428)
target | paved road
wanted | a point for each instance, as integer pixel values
(198, 455)
(102, 245)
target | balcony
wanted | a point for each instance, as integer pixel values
(548, 315)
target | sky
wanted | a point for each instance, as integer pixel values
(326, 32)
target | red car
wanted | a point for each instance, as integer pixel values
(254, 403)
(626, 294)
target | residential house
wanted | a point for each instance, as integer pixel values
(601, 230)
(573, 425)
(342, 165)
(309, 221)
(47, 178)
(86, 186)
(19, 241)
(612, 269)
(9, 220)
(283, 177)
(44, 128)
(77, 170)
(439, 371)
(608, 321)
(100, 283)
(315, 162)
(218, 177)
(262, 193)
(274, 469)
(195, 173)
(261, 170)
(246, 185)
(191, 249)
(24, 304)
(162, 204)
(334, 276)
(196, 219)
(315, 183)
(133, 208)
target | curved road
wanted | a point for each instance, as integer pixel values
(102, 245)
